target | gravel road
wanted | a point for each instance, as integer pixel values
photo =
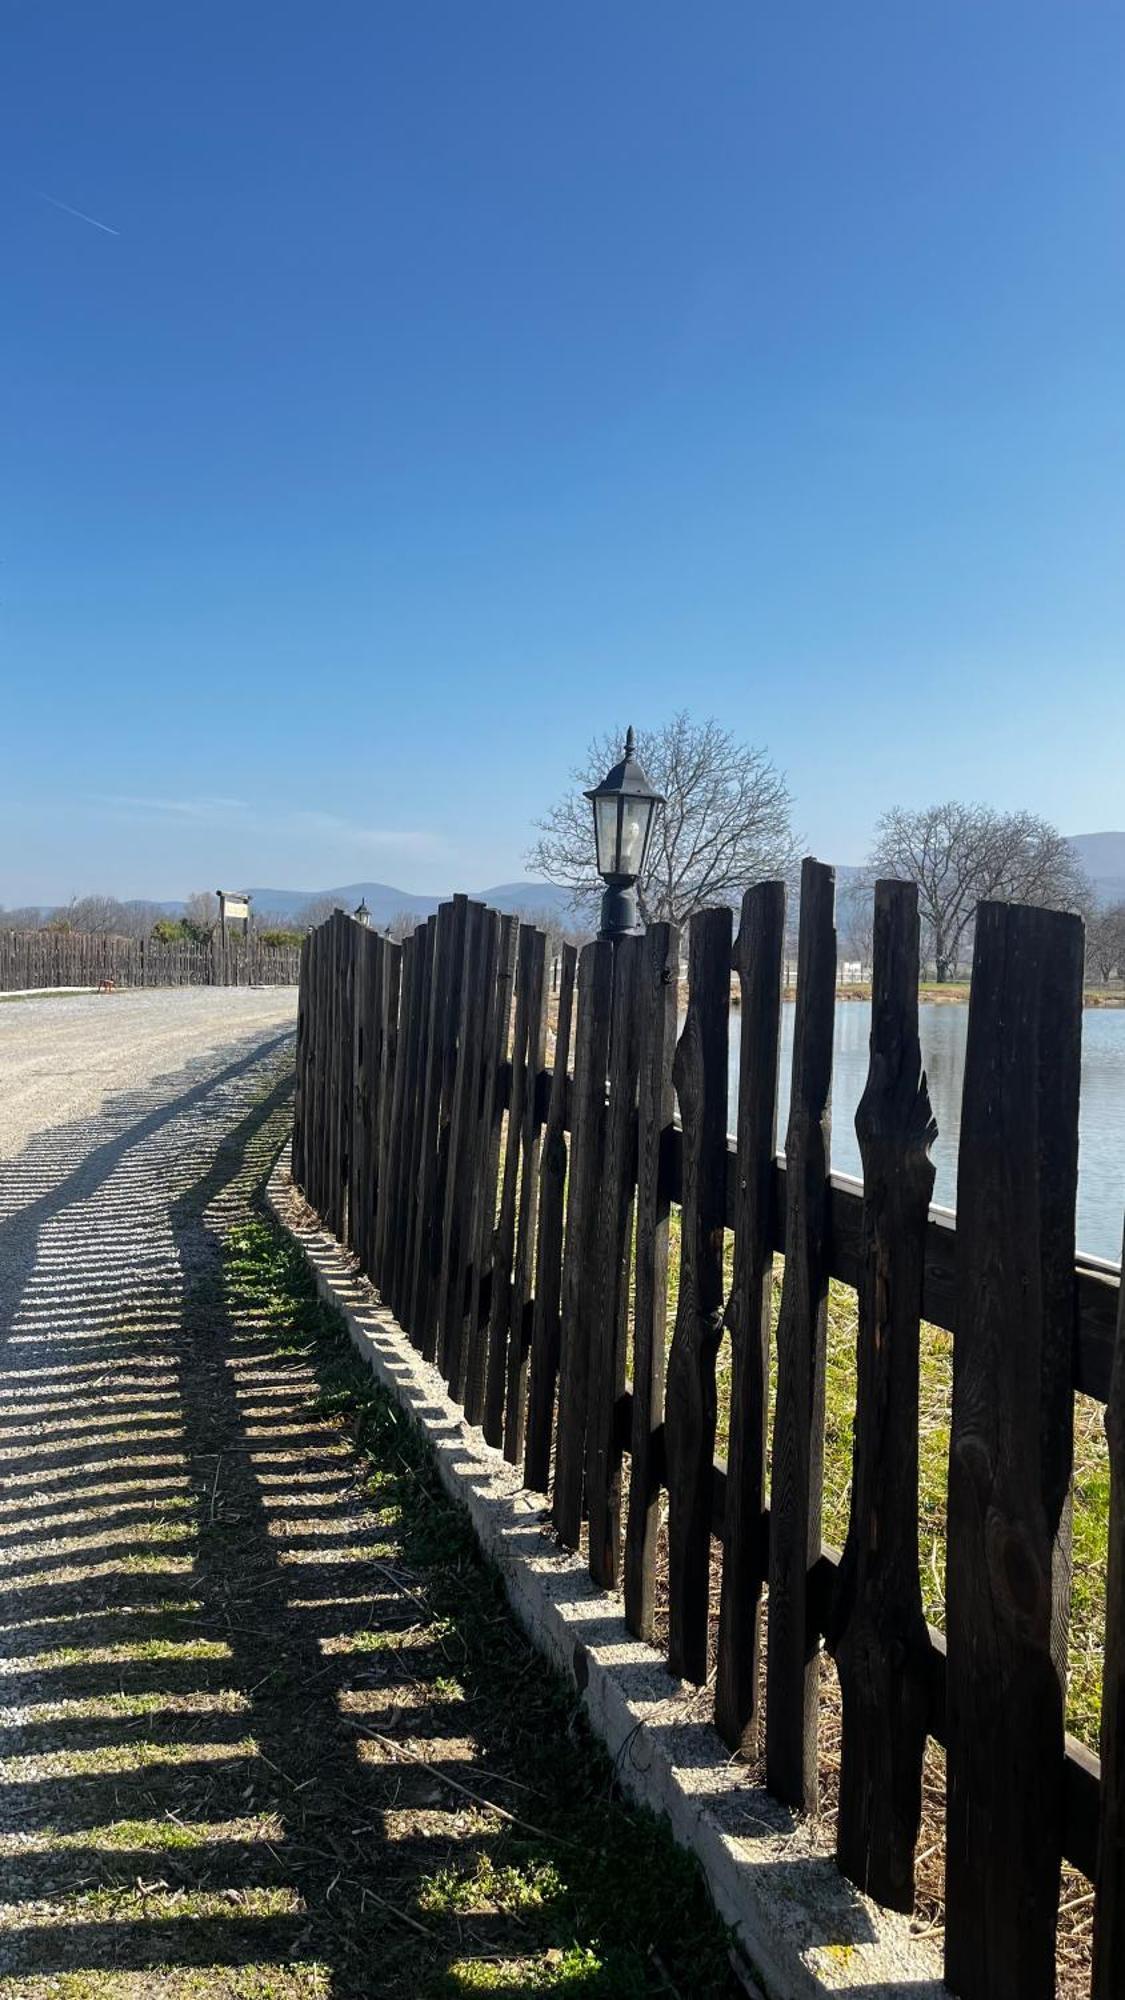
(61, 1058)
(118, 1117)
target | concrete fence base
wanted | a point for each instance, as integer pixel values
(800, 1928)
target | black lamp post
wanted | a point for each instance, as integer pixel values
(362, 914)
(624, 811)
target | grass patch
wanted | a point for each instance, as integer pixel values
(588, 1894)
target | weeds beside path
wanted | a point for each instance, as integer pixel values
(270, 1729)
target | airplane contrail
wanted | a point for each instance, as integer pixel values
(82, 217)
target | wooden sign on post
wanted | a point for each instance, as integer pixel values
(234, 908)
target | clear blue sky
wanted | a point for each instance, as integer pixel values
(464, 378)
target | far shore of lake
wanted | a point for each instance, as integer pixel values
(953, 993)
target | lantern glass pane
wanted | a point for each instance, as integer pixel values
(605, 833)
(634, 833)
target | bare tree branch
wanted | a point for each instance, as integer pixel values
(726, 823)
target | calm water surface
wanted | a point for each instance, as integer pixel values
(1101, 1162)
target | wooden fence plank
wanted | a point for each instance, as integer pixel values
(403, 1268)
(1109, 1911)
(364, 1001)
(878, 1628)
(429, 1112)
(549, 1244)
(700, 1074)
(758, 962)
(500, 1328)
(300, 1066)
(458, 1207)
(390, 989)
(610, 1276)
(523, 1262)
(390, 1219)
(792, 1659)
(488, 1166)
(591, 1056)
(450, 1012)
(658, 1006)
(1011, 1447)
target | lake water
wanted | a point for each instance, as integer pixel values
(942, 1027)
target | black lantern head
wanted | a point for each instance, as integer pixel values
(363, 914)
(624, 810)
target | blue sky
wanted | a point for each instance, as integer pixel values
(462, 380)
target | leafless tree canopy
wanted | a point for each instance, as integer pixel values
(1105, 943)
(726, 823)
(201, 914)
(959, 854)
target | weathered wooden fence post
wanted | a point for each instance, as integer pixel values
(1011, 1447)
(610, 1249)
(549, 1242)
(659, 1010)
(878, 1628)
(690, 1405)
(757, 959)
(793, 1653)
(591, 1058)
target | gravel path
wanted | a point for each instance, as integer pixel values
(60, 1058)
(130, 1826)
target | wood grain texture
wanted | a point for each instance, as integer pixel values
(480, 926)
(300, 1068)
(393, 1222)
(448, 1011)
(549, 1243)
(417, 1123)
(521, 1297)
(591, 1058)
(488, 1166)
(878, 1627)
(658, 1012)
(690, 1407)
(1109, 1911)
(390, 1000)
(793, 1654)
(1011, 1446)
(758, 962)
(610, 1276)
(528, 993)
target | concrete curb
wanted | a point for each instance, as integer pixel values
(803, 1930)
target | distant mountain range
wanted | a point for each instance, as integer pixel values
(386, 902)
(1103, 857)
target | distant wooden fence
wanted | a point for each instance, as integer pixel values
(515, 1217)
(33, 959)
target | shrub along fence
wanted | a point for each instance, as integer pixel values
(33, 959)
(515, 1217)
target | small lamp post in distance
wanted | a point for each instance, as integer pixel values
(625, 807)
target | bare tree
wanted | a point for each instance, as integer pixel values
(855, 921)
(317, 911)
(107, 916)
(960, 854)
(201, 915)
(726, 823)
(24, 917)
(403, 924)
(1105, 942)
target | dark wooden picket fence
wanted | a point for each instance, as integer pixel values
(33, 959)
(514, 1214)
